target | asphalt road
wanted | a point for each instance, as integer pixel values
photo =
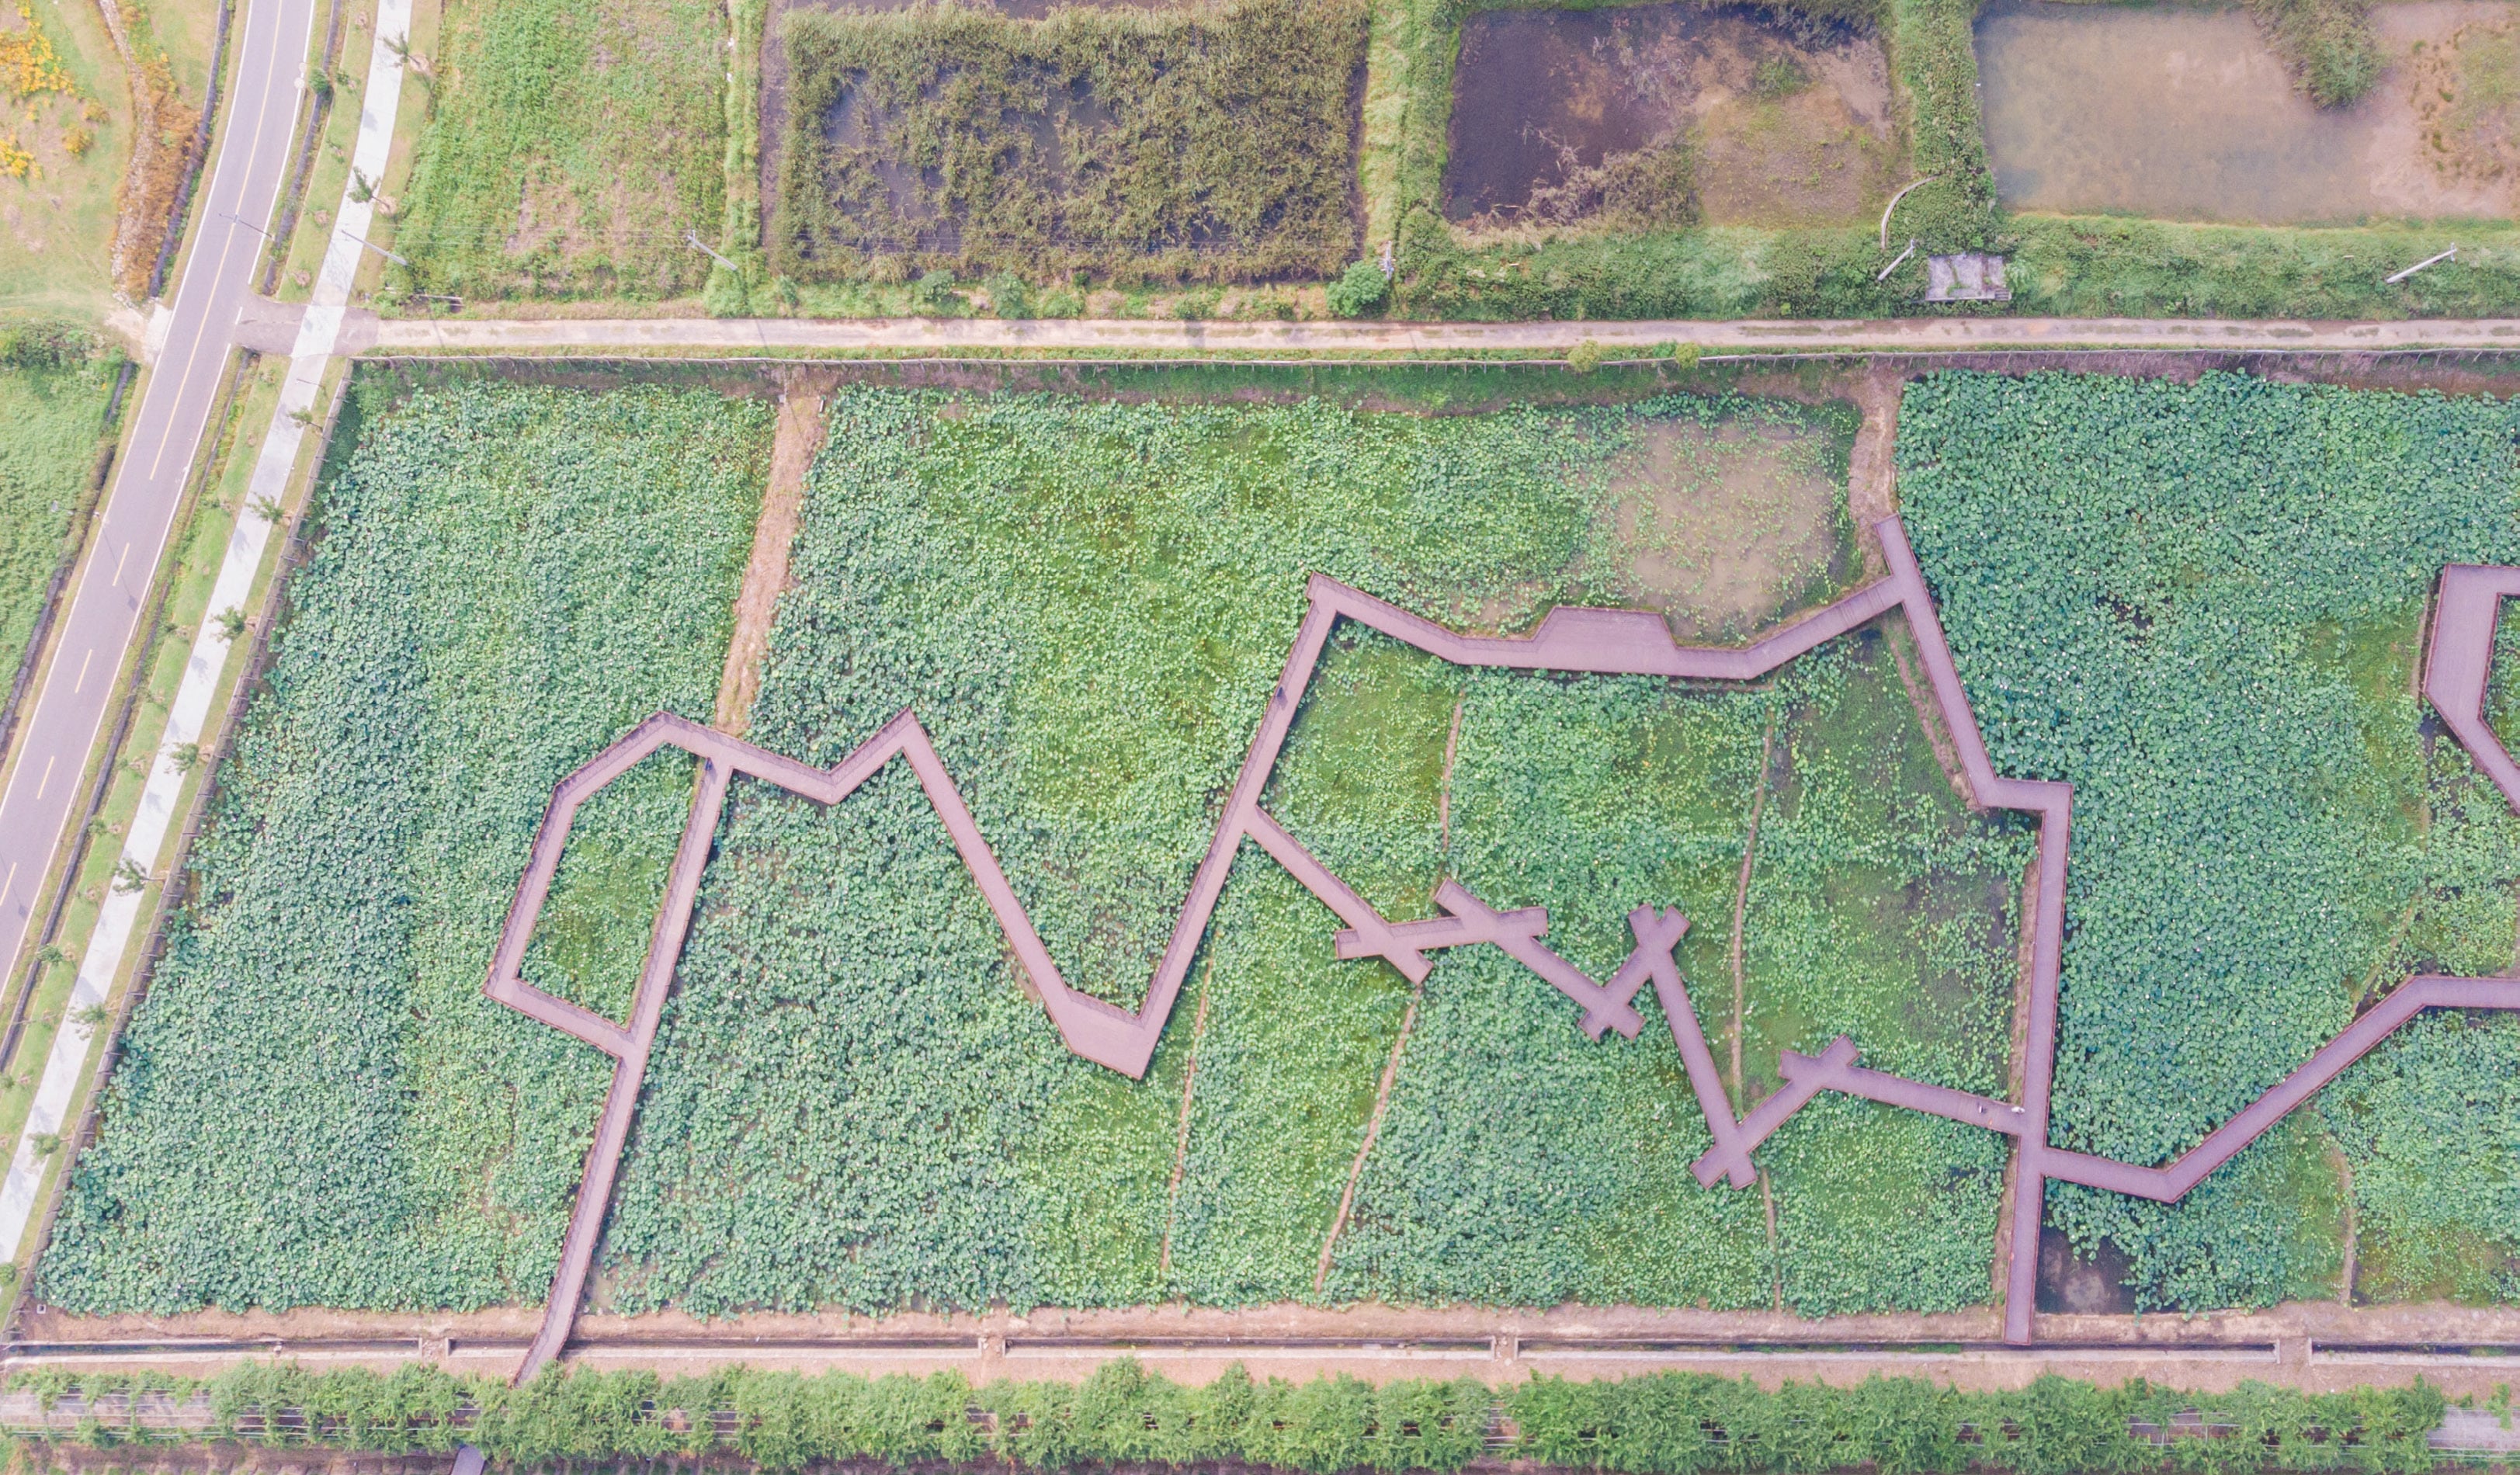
(58, 731)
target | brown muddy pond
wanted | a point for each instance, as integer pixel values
(2185, 114)
(774, 56)
(1562, 115)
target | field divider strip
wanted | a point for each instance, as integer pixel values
(145, 843)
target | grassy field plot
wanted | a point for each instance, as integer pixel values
(2204, 605)
(61, 158)
(568, 151)
(52, 421)
(1210, 143)
(92, 153)
(854, 1104)
(316, 1105)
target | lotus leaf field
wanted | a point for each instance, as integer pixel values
(852, 1091)
(853, 1103)
(2201, 604)
(2204, 605)
(316, 1105)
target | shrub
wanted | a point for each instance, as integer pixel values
(1359, 290)
(1663, 1423)
(2327, 45)
(1009, 296)
(46, 345)
(1585, 357)
(725, 294)
(934, 295)
(1778, 77)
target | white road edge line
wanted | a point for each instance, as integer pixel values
(144, 846)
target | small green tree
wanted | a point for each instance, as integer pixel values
(1584, 357)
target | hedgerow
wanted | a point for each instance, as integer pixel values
(853, 1105)
(2202, 605)
(315, 1104)
(1664, 1424)
(1208, 144)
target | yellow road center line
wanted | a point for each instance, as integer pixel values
(194, 360)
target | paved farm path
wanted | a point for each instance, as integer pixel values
(719, 335)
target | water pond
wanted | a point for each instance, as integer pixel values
(1664, 114)
(2184, 114)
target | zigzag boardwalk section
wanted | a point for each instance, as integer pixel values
(1603, 642)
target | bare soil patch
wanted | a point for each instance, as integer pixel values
(1722, 531)
(1664, 115)
(793, 447)
(2068, 1282)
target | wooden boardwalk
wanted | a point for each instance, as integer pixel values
(1568, 640)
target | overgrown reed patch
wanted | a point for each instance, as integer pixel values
(1205, 144)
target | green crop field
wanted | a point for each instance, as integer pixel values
(853, 1103)
(2203, 605)
(316, 1105)
(52, 419)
